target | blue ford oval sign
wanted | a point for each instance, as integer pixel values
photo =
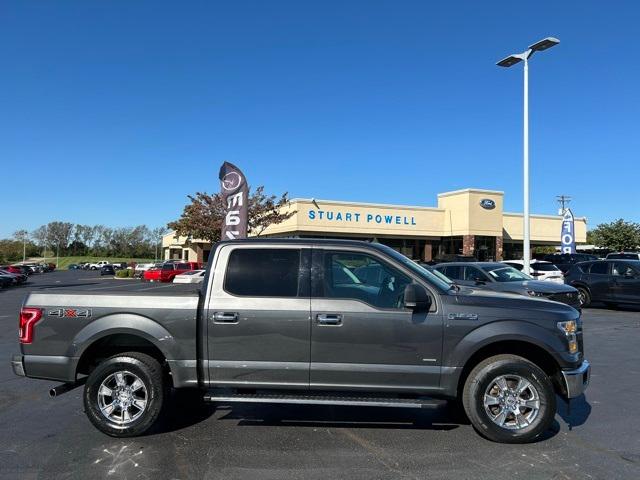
(487, 203)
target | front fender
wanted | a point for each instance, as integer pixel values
(508, 330)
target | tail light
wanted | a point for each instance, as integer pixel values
(28, 318)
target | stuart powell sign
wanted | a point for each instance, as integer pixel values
(235, 193)
(568, 235)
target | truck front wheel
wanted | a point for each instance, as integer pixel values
(508, 399)
(124, 395)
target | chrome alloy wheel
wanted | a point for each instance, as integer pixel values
(122, 397)
(512, 402)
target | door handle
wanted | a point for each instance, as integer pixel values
(225, 317)
(329, 319)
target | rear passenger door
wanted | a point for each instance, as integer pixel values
(258, 323)
(361, 335)
(600, 281)
(626, 283)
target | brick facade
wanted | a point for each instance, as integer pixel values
(499, 249)
(468, 244)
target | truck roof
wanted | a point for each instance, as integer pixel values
(303, 241)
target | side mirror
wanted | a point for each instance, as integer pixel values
(416, 298)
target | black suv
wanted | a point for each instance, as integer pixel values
(564, 260)
(613, 282)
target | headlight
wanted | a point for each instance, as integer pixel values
(569, 329)
(535, 294)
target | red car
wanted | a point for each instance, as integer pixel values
(12, 269)
(167, 271)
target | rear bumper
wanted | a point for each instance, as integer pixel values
(17, 365)
(576, 381)
(48, 367)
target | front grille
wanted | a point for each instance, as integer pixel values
(570, 298)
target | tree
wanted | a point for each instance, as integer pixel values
(202, 218)
(618, 235)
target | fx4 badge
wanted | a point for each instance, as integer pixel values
(462, 316)
(70, 312)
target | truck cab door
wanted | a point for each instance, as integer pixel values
(362, 337)
(258, 317)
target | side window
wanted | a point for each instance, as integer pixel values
(263, 272)
(454, 272)
(601, 268)
(363, 277)
(621, 269)
(517, 266)
(471, 274)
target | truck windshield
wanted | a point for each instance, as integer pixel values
(439, 281)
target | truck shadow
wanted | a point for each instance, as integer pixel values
(580, 411)
(187, 409)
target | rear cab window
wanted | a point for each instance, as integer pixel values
(263, 272)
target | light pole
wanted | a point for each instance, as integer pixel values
(509, 61)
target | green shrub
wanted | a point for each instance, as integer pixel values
(124, 274)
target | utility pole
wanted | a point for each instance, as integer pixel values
(563, 200)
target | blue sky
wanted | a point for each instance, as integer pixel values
(112, 112)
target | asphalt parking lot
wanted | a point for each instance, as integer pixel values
(52, 438)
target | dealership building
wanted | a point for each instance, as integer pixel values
(467, 222)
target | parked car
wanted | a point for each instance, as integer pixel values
(168, 271)
(98, 265)
(107, 270)
(11, 269)
(452, 257)
(73, 266)
(35, 267)
(503, 278)
(140, 268)
(539, 269)
(18, 278)
(193, 276)
(613, 282)
(623, 256)
(564, 260)
(275, 326)
(20, 269)
(6, 281)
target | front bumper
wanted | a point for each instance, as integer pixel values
(576, 381)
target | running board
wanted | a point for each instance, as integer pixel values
(322, 399)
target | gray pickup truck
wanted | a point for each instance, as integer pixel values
(313, 322)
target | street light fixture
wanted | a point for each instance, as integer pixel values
(509, 61)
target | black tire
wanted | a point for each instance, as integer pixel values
(148, 371)
(484, 375)
(584, 296)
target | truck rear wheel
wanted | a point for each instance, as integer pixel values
(124, 395)
(508, 399)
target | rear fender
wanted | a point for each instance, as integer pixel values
(126, 323)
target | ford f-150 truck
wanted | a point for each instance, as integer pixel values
(310, 321)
